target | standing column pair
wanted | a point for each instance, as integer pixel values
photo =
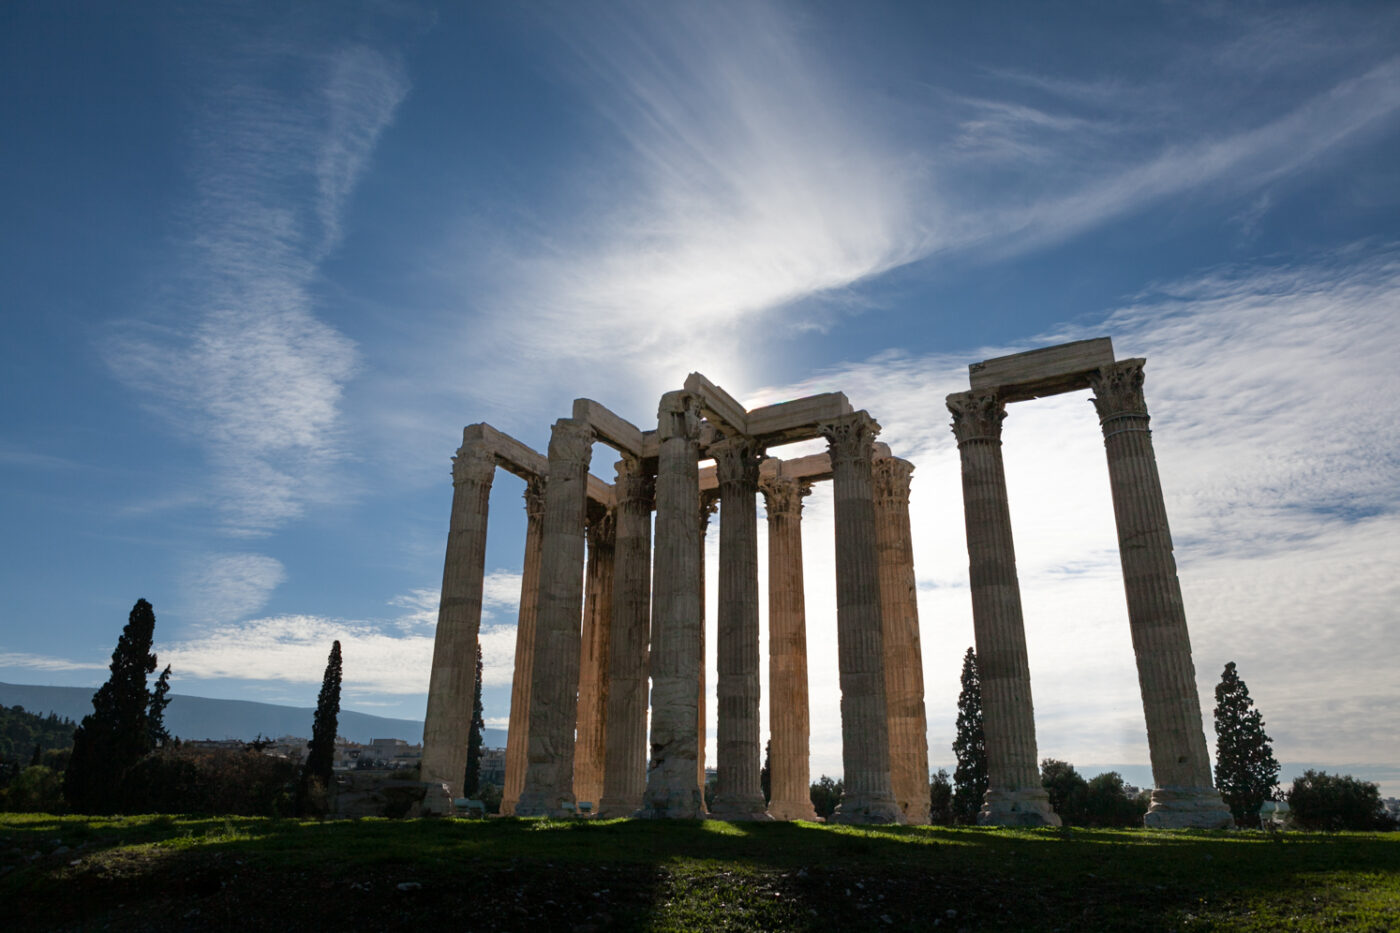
(553, 696)
(594, 678)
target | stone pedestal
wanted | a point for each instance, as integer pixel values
(673, 790)
(453, 679)
(788, 711)
(624, 774)
(554, 691)
(904, 665)
(518, 731)
(865, 749)
(1015, 796)
(1184, 795)
(594, 682)
(738, 794)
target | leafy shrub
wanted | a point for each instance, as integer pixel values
(37, 789)
(1332, 802)
(209, 781)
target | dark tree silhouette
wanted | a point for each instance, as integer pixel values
(940, 799)
(471, 780)
(970, 746)
(155, 716)
(116, 734)
(1246, 772)
(320, 755)
(1332, 802)
(1066, 788)
(765, 774)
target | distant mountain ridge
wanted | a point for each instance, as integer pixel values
(191, 717)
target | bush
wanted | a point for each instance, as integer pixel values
(209, 781)
(490, 796)
(36, 789)
(826, 795)
(1331, 802)
(940, 799)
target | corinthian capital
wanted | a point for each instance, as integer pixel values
(783, 496)
(634, 484)
(571, 443)
(892, 476)
(850, 438)
(976, 416)
(601, 529)
(679, 416)
(534, 498)
(474, 463)
(1118, 389)
(736, 464)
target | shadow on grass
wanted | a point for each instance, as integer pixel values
(676, 875)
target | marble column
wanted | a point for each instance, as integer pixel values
(554, 689)
(904, 665)
(1184, 795)
(1015, 796)
(709, 504)
(865, 748)
(453, 679)
(738, 793)
(518, 730)
(673, 790)
(789, 723)
(624, 771)
(590, 741)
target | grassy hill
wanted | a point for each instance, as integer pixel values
(223, 873)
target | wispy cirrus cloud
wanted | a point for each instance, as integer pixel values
(241, 361)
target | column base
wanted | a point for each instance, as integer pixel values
(545, 805)
(1187, 808)
(612, 808)
(787, 811)
(508, 807)
(855, 810)
(739, 807)
(677, 805)
(1028, 806)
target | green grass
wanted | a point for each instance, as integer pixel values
(194, 872)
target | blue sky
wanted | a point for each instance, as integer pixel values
(259, 267)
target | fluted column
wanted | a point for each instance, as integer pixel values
(738, 794)
(453, 679)
(1184, 795)
(672, 787)
(554, 691)
(1015, 796)
(865, 749)
(624, 772)
(518, 731)
(789, 722)
(709, 504)
(904, 665)
(593, 675)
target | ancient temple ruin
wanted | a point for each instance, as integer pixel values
(608, 606)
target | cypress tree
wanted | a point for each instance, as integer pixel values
(970, 746)
(155, 717)
(471, 781)
(116, 734)
(765, 775)
(320, 755)
(1246, 772)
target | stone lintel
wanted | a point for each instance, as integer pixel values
(522, 460)
(796, 420)
(718, 405)
(815, 468)
(612, 429)
(1038, 373)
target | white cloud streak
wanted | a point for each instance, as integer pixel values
(245, 366)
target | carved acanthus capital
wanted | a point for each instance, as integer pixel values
(709, 505)
(534, 498)
(1118, 390)
(976, 416)
(474, 463)
(634, 485)
(570, 444)
(736, 464)
(783, 496)
(601, 529)
(679, 416)
(892, 476)
(850, 438)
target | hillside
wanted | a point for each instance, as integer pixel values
(191, 717)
